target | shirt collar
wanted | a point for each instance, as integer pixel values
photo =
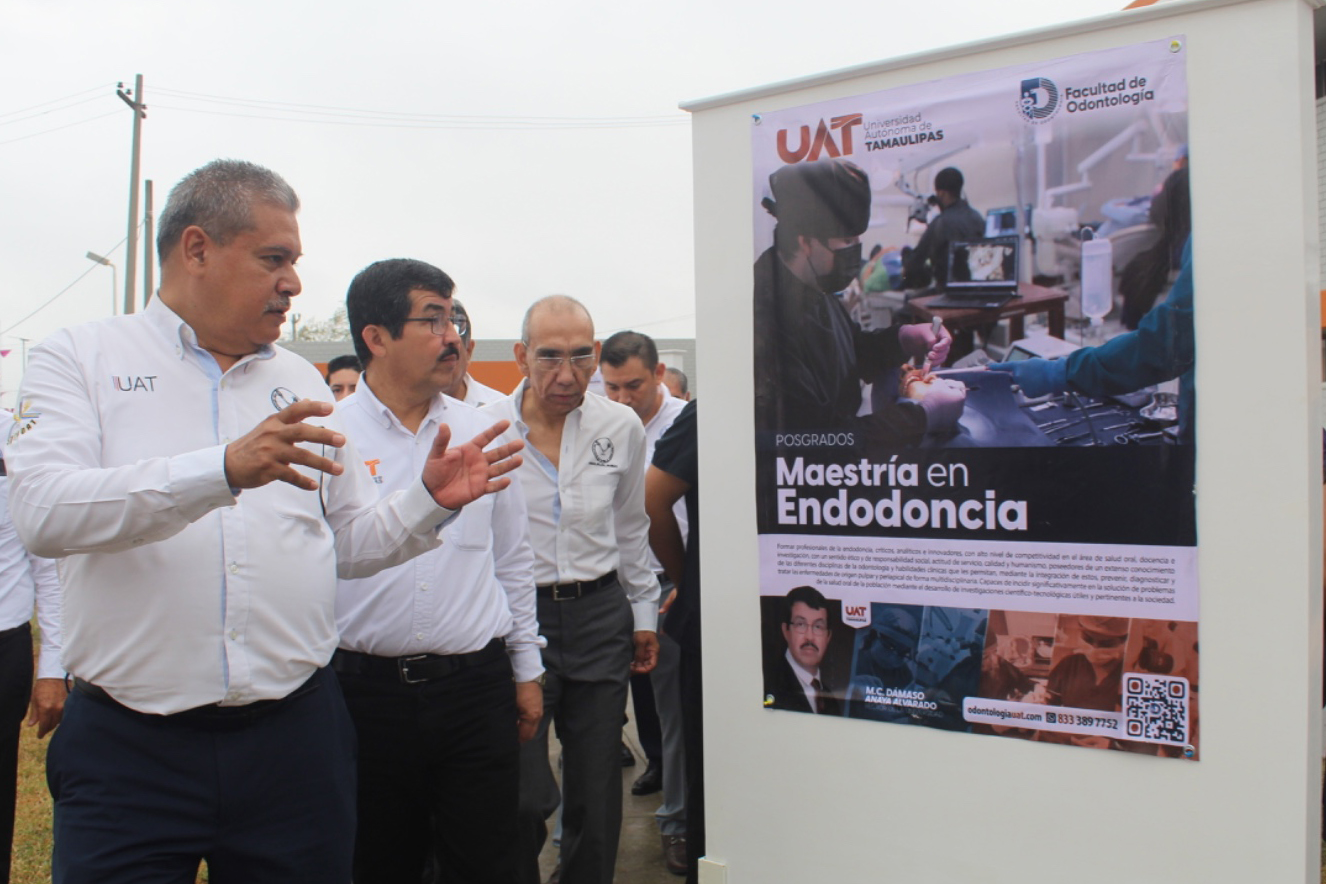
(518, 399)
(802, 674)
(437, 409)
(165, 320)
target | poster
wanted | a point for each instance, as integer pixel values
(1015, 556)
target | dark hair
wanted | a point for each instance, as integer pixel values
(219, 198)
(625, 344)
(949, 180)
(380, 295)
(458, 311)
(341, 362)
(808, 596)
(684, 385)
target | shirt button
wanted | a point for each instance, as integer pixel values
(232, 696)
(234, 567)
(419, 636)
(234, 635)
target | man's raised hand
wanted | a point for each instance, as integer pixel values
(268, 452)
(458, 475)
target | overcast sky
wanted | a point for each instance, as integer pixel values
(524, 147)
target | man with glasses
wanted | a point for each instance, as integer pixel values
(597, 594)
(797, 681)
(439, 657)
(464, 387)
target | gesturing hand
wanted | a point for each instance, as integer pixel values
(456, 476)
(266, 453)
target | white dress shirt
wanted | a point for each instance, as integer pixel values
(804, 678)
(587, 516)
(177, 592)
(668, 409)
(478, 586)
(27, 581)
(478, 395)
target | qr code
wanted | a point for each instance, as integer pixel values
(1155, 708)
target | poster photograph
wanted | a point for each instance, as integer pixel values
(974, 404)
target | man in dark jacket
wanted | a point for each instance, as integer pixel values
(957, 221)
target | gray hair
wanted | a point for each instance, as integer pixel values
(556, 303)
(219, 198)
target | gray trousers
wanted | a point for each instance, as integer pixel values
(666, 678)
(587, 662)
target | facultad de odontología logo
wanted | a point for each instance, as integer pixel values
(1039, 99)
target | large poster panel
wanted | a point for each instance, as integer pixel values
(1004, 549)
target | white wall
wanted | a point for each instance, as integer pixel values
(796, 797)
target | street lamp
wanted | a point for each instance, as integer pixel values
(93, 256)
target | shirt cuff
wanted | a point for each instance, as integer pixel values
(419, 513)
(198, 482)
(48, 664)
(646, 615)
(526, 662)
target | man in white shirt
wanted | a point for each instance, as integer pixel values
(633, 376)
(439, 657)
(462, 386)
(26, 582)
(597, 595)
(206, 501)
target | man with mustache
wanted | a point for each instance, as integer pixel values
(439, 657)
(796, 680)
(206, 500)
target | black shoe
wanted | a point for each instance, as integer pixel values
(628, 757)
(650, 781)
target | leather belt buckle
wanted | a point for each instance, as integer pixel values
(403, 665)
(565, 592)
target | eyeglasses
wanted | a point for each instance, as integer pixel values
(439, 323)
(581, 362)
(819, 627)
(1103, 641)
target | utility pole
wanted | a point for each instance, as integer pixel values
(148, 236)
(135, 102)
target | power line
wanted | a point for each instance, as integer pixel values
(50, 111)
(413, 116)
(58, 128)
(51, 300)
(510, 125)
(24, 110)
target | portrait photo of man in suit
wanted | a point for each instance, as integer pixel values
(796, 679)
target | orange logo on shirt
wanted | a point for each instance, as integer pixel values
(372, 466)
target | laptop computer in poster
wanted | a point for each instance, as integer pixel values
(982, 274)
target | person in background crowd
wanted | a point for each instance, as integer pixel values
(464, 387)
(597, 595)
(343, 375)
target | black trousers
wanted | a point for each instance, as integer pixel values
(265, 799)
(15, 691)
(438, 775)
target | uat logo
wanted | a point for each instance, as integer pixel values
(822, 143)
(856, 616)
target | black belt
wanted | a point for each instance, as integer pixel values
(416, 668)
(565, 592)
(210, 716)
